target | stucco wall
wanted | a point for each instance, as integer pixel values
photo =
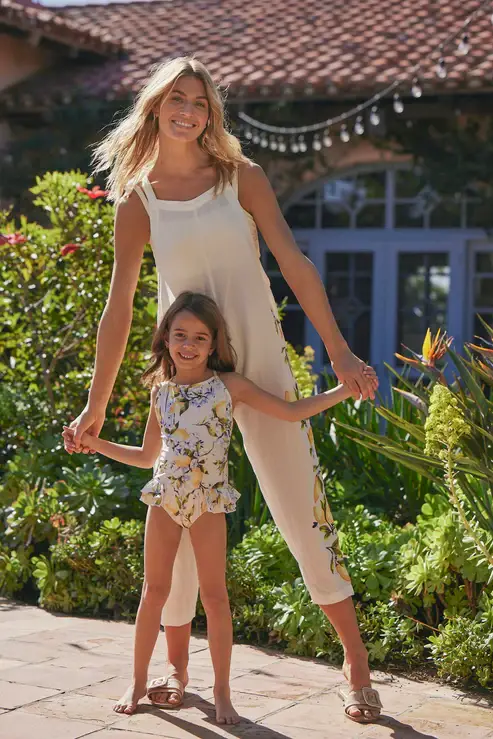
(19, 59)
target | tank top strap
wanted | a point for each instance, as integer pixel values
(143, 197)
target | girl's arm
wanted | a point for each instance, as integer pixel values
(131, 236)
(258, 198)
(136, 456)
(245, 391)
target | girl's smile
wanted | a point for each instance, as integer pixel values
(190, 344)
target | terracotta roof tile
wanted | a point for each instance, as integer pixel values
(346, 48)
(35, 18)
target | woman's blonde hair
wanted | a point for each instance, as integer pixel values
(130, 149)
(222, 359)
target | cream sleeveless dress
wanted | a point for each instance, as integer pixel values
(209, 244)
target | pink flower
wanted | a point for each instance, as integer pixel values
(94, 193)
(69, 249)
(12, 239)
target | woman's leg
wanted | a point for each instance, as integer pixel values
(162, 537)
(342, 616)
(208, 535)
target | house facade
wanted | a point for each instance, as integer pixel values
(396, 255)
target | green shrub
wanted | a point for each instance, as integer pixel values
(463, 651)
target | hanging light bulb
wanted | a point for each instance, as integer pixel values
(463, 47)
(344, 134)
(294, 146)
(302, 144)
(441, 69)
(281, 145)
(416, 90)
(374, 116)
(327, 140)
(273, 143)
(264, 141)
(248, 133)
(316, 144)
(398, 104)
(256, 138)
(359, 128)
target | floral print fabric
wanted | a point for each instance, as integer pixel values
(191, 475)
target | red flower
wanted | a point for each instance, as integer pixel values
(94, 193)
(12, 239)
(68, 249)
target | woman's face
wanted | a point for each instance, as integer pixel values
(190, 342)
(184, 112)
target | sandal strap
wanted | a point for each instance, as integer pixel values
(363, 699)
(165, 685)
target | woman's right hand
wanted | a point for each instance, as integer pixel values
(90, 421)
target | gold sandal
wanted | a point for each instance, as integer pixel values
(167, 685)
(366, 699)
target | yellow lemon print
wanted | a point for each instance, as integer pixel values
(343, 573)
(310, 436)
(318, 489)
(181, 434)
(182, 460)
(196, 477)
(220, 409)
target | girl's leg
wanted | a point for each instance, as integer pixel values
(208, 535)
(178, 644)
(162, 537)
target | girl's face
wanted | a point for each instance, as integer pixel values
(190, 342)
(184, 112)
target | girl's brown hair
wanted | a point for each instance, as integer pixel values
(223, 358)
(130, 149)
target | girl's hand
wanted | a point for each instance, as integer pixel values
(89, 422)
(69, 440)
(360, 378)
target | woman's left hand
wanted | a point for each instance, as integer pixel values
(360, 378)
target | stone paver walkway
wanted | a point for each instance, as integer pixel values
(60, 675)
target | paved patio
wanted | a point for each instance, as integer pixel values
(60, 675)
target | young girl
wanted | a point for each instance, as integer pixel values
(195, 391)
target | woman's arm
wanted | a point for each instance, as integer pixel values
(136, 456)
(131, 236)
(245, 391)
(258, 198)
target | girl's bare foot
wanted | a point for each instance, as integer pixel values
(173, 697)
(356, 671)
(225, 713)
(128, 703)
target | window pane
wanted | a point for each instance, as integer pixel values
(407, 183)
(424, 283)
(446, 215)
(479, 215)
(372, 184)
(334, 215)
(337, 262)
(371, 216)
(293, 326)
(484, 261)
(281, 290)
(479, 329)
(301, 216)
(349, 282)
(483, 291)
(408, 216)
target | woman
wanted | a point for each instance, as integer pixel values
(180, 181)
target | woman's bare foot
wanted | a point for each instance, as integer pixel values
(173, 697)
(356, 671)
(225, 713)
(128, 703)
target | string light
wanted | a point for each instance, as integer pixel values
(374, 116)
(441, 69)
(296, 134)
(463, 47)
(359, 128)
(344, 134)
(416, 89)
(398, 104)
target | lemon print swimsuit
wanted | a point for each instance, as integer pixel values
(191, 474)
